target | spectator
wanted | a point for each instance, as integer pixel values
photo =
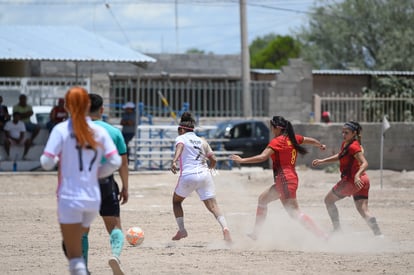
(4, 114)
(15, 130)
(26, 111)
(128, 122)
(326, 117)
(57, 114)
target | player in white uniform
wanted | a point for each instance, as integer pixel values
(80, 146)
(192, 152)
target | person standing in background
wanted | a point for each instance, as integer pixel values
(129, 123)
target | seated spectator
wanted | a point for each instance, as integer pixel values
(57, 114)
(14, 131)
(26, 111)
(4, 114)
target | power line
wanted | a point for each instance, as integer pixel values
(108, 7)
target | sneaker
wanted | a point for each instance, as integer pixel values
(180, 235)
(226, 235)
(115, 264)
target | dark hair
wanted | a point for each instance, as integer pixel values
(354, 127)
(187, 121)
(286, 126)
(96, 102)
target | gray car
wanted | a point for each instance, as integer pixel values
(249, 136)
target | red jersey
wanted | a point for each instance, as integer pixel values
(348, 164)
(59, 114)
(284, 157)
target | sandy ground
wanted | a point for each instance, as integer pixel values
(30, 237)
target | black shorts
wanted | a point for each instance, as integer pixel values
(109, 197)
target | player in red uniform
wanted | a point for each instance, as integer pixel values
(283, 150)
(354, 181)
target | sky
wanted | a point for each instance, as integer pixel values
(164, 26)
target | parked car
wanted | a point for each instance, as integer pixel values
(249, 136)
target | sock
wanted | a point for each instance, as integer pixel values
(77, 266)
(85, 248)
(309, 224)
(180, 223)
(334, 214)
(372, 223)
(222, 221)
(117, 241)
(261, 214)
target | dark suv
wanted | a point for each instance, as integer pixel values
(249, 136)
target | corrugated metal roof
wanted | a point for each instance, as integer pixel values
(361, 72)
(339, 72)
(62, 43)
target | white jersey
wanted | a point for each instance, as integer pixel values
(15, 129)
(78, 167)
(193, 158)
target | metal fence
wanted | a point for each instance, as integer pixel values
(205, 98)
(364, 109)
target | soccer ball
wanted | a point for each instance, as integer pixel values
(135, 236)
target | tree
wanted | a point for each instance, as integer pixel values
(401, 92)
(272, 51)
(195, 51)
(369, 34)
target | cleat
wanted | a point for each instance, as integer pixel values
(180, 235)
(226, 235)
(115, 264)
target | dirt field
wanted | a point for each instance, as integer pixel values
(30, 237)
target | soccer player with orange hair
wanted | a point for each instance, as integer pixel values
(78, 145)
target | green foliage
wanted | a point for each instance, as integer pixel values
(368, 34)
(195, 51)
(391, 86)
(273, 51)
(399, 91)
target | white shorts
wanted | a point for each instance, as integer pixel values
(73, 211)
(201, 182)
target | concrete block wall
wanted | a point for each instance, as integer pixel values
(398, 144)
(292, 94)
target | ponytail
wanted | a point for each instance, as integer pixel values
(291, 133)
(286, 126)
(77, 103)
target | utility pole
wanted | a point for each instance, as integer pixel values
(247, 98)
(177, 48)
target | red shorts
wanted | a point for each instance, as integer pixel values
(286, 188)
(346, 187)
